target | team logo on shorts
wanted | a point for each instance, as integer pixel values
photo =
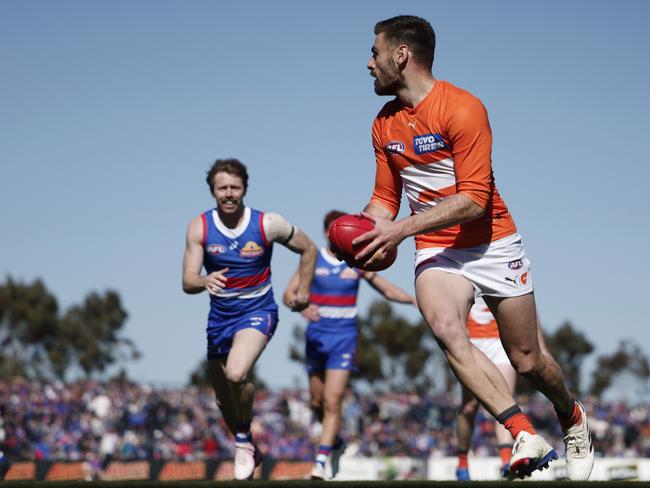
(216, 249)
(395, 147)
(515, 264)
(256, 321)
(427, 143)
(251, 250)
(345, 357)
(519, 280)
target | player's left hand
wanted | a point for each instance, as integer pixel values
(386, 235)
(311, 313)
(299, 302)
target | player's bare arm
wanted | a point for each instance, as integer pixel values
(278, 229)
(193, 281)
(390, 291)
(451, 211)
(304, 246)
(291, 289)
(373, 210)
(388, 234)
(288, 297)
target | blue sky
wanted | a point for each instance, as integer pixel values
(111, 112)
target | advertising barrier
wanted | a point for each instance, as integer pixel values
(352, 468)
(487, 468)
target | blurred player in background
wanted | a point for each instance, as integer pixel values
(484, 334)
(331, 341)
(233, 243)
(434, 142)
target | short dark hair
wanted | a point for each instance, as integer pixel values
(413, 31)
(231, 166)
(330, 217)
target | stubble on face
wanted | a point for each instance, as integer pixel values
(229, 193)
(383, 69)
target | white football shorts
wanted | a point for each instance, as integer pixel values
(492, 348)
(498, 269)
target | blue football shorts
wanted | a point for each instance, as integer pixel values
(220, 334)
(330, 350)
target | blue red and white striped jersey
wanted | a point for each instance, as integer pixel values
(334, 290)
(247, 253)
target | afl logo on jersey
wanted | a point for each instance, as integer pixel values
(251, 250)
(322, 272)
(515, 264)
(395, 147)
(216, 249)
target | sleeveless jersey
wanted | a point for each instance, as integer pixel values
(334, 290)
(480, 322)
(247, 254)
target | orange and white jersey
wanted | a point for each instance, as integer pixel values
(437, 149)
(480, 322)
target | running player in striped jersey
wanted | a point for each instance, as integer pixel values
(233, 243)
(483, 332)
(434, 142)
(331, 341)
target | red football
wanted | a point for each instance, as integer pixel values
(347, 228)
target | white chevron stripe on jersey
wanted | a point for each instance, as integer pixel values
(337, 312)
(432, 176)
(257, 292)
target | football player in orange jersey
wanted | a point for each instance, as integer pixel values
(433, 140)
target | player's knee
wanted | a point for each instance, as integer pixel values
(316, 404)
(526, 363)
(470, 408)
(332, 403)
(236, 373)
(447, 331)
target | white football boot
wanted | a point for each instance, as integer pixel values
(530, 452)
(579, 449)
(319, 472)
(246, 459)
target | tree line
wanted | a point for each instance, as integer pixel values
(41, 341)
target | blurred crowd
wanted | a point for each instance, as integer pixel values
(100, 422)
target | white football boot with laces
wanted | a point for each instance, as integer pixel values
(246, 459)
(579, 449)
(530, 452)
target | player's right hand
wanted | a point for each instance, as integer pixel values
(386, 235)
(215, 282)
(299, 302)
